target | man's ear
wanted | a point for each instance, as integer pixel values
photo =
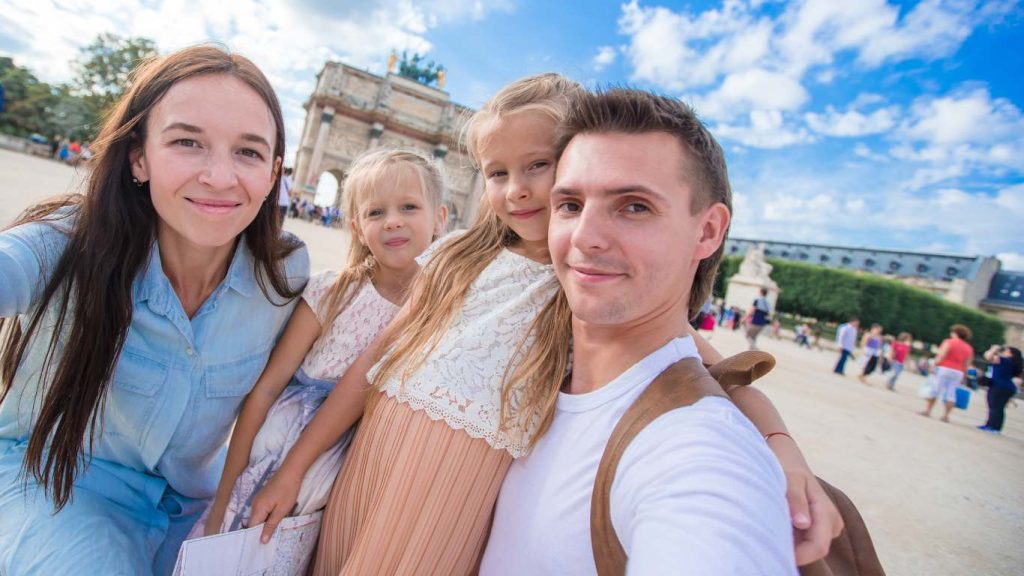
(137, 163)
(714, 225)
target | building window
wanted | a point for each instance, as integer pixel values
(922, 268)
(803, 256)
(785, 253)
(951, 272)
(823, 258)
(868, 262)
(894, 266)
(846, 260)
(767, 252)
(733, 249)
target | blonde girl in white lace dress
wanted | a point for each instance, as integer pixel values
(394, 202)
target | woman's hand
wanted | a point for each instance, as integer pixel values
(274, 502)
(816, 520)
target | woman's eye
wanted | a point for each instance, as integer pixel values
(187, 142)
(250, 153)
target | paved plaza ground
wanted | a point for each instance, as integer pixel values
(939, 499)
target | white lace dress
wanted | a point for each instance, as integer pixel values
(338, 346)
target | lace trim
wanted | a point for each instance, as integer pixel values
(482, 431)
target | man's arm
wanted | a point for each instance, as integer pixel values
(698, 493)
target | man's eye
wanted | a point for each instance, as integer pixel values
(637, 208)
(571, 207)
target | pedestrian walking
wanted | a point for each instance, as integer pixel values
(846, 338)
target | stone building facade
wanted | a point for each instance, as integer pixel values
(351, 111)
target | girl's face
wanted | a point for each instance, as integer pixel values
(208, 158)
(517, 158)
(397, 221)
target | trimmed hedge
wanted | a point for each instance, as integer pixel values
(835, 295)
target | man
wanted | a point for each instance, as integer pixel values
(846, 338)
(760, 315)
(640, 207)
(284, 195)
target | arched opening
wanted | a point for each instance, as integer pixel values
(328, 189)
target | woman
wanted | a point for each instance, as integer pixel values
(1006, 365)
(126, 358)
(954, 357)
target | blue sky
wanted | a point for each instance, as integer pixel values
(870, 123)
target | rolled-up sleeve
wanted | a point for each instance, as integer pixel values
(28, 255)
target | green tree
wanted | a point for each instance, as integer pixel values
(26, 101)
(103, 70)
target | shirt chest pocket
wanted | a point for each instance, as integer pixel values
(134, 395)
(234, 378)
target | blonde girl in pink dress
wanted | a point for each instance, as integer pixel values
(466, 377)
(394, 199)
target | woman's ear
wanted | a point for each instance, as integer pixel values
(137, 163)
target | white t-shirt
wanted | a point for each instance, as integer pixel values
(286, 187)
(697, 491)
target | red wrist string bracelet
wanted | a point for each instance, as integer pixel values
(770, 434)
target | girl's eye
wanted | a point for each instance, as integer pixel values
(540, 164)
(410, 207)
(374, 213)
(250, 153)
(497, 174)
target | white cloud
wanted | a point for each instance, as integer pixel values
(853, 122)
(714, 49)
(751, 90)
(289, 41)
(1012, 260)
(764, 129)
(605, 57)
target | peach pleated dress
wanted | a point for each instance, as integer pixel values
(417, 491)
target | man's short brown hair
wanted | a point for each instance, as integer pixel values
(630, 111)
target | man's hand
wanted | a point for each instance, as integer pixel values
(274, 503)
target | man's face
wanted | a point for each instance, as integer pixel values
(623, 241)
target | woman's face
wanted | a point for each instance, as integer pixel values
(208, 158)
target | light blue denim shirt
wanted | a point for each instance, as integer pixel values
(178, 384)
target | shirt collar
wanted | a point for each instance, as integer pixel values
(155, 288)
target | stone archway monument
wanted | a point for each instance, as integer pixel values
(754, 274)
(351, 111)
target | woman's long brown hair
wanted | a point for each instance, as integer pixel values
(113, 228)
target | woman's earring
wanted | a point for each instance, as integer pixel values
(138, 183)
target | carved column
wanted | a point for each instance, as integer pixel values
(318, 148)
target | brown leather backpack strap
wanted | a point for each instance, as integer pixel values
(742, 369)
(682, 384)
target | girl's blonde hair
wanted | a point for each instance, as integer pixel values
(541, 359)
(370, 172)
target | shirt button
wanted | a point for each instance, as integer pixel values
(190, 352)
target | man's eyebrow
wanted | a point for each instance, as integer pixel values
(617, 191)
